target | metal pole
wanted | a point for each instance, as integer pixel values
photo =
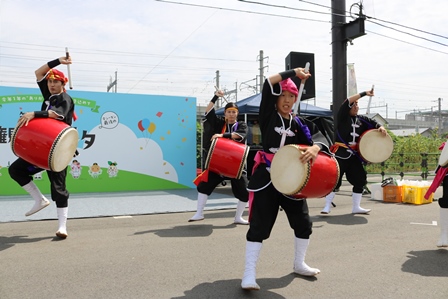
(261, 71)
(339, 56)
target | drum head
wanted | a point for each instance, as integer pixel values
(288, 174)
(443, 158)
(63, 149)
(374, 147)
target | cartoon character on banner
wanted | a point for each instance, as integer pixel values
(38, 176)
(146, 126)
(113, 169)
(75, 169)
(95, 171)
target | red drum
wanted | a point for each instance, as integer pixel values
(374, 147)
(298, 180)
(227, 157)
(46, 143)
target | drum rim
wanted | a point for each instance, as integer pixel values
(375, 132)
(243, 162)
(53, 147)
(307, 170)
(13, 138)
(210, 150)
(444, 150)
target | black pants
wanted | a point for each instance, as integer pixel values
(264, 210)
(443, 202)
(239, 186)
(354, 172)
(22, 172)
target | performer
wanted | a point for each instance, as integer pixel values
(279, 127)
(441, 176)
(443, 203)
(58, 105)
(350, 127)
(223, 127)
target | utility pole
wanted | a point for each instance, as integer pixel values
(261, 69)
(113, 83)
(440, 118)
(341, 33)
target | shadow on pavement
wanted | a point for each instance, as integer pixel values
(348, 219)
(232, 288)
(8, 242)
(427, 263)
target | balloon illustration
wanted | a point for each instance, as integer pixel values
(151, 128)
(140, 126)
(145, 123)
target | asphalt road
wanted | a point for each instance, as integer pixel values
(390, 253)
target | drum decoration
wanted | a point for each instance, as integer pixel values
(46, 143)
(303, 180)
(374, 147)
(227, 157)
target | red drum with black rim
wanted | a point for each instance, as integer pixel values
(46, 143)
(299, 180)
(227, 157)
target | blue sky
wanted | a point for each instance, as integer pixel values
(164, 47)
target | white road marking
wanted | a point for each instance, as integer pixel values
(434, 223)
(122, 217)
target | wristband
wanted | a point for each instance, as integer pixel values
(41, 114)
(215, 98)
(227, 135)
(288, 74)
(53, 63)
(362, 94)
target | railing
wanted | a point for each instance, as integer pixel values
(409, 164)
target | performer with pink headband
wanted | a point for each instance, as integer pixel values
(278, 128)
(58, 105)
(222, 127)
(441, 178)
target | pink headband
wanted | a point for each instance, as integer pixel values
(289, 85)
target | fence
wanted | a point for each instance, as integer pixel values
(409, 164)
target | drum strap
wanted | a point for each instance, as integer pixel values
(231, 129)
(353, 151)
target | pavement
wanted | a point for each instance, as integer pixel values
(141, 245)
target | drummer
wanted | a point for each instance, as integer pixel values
(350, 126)
(58, 105)
(279, 127)
(222, 127)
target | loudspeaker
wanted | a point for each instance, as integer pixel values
(299, 59)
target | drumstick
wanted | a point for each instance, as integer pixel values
(67, 55)
(302, 85)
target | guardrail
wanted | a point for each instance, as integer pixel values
(406, 164)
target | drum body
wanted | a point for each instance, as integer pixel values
(227, 157)
(46, 143)
(374, 147)
(298, 180)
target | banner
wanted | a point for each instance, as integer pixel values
(127, 142)
(352, 88)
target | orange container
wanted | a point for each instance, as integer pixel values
(393, 193)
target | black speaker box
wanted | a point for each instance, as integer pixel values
(299, 59)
